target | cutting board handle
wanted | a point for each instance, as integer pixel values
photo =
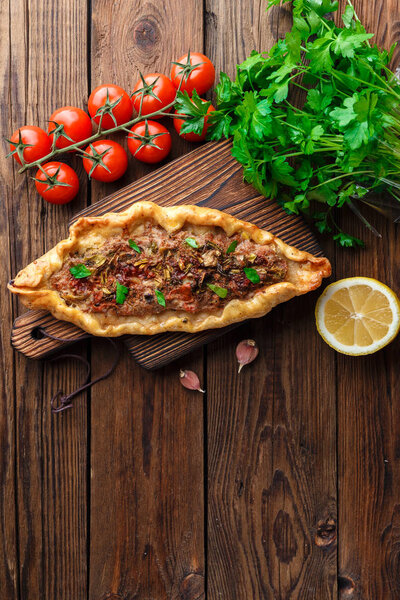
(27, 336)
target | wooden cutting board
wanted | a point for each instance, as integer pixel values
(208, 176)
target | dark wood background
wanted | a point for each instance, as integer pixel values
(281, 483)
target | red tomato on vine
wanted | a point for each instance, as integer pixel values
(193, 71)
(111, 104)
(73, 125)
(57, 182)
(29, 143)
(152, 93)
(149, 141)
(105, 160)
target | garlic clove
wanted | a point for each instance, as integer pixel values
(190, 381)
(246, 352)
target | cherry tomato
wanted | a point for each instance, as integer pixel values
(57, 183)
(76, 125)
(197, 71)
(110, 100)
(149, 141)
(30, 142)
(157, 91)
(109, 161)
(193, 137)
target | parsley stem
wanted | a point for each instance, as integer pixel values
(385, 83)
(302, 87)
(369, 84)
(341, 177)
(325, 25)
(297, 153)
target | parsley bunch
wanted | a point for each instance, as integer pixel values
(334, 145)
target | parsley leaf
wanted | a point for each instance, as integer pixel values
(348, 241)
(348, 16)
(322, 7)
(318, 101)
(193, 110)
(160, 298)
(80, 271)
(282, 171)
(232, 247)
(220, 125)
(121, 293)
(251, 274)
(191, 242)
(134, 246)
(347, 42)
(220, 291)
(320, 55)
(344, 116)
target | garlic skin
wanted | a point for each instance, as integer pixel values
(190, 381)
(246, 352)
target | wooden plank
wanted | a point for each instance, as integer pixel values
(271, 429)
(45, 70)
(147, 533)
(369, 403)
(9, 560)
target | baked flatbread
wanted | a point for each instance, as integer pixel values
(152, 269)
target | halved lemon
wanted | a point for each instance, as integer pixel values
(358, 315)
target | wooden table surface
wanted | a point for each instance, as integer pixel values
(281, 483)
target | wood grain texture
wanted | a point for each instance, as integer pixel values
(9, 558)
(269, 465)
(369, 404)
(147, 501)
(271, 429)
(50, 475)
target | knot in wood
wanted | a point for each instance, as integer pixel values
(145, 33)
(211, 19)
(284, 538)
(192, 587)
(346, 587)
(326, 532)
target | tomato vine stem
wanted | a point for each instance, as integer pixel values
(100, 133)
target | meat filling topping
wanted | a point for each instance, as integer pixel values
(156, 271)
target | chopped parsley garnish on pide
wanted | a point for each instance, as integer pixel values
(121, 293)
(160, 298)
(221, 292)
(80, 271)
(191, 242)
(232, 247)
(251, 275)
(157, 271)
(134, 246)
